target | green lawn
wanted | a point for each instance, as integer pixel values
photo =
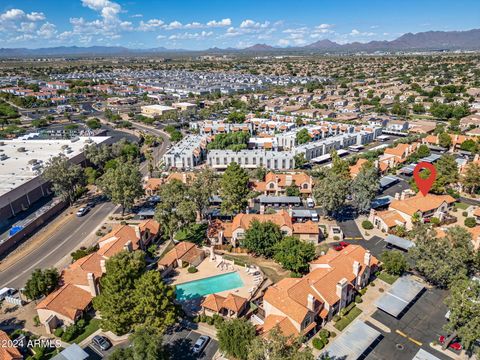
(389, 279)
(347, 319)
(461, 205)
(92, 326)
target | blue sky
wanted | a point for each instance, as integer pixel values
(190, 24)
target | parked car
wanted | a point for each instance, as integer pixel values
(102, 342)
(341, 245)
(200, 344)
(344, 244)
(455, 344)
(82, 211)
(6, 292)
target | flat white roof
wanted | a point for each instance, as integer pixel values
(424, 355)
(15, 169)
(158, 107)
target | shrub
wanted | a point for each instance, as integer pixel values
(196, 319)
(318, 343)
(333, 334)
(99, 233)
(209, 320)
(363, 291)
(70, 333)
(465, 214)
(435, 221)
(372, 284)
(192, 269)
(184, 264)
(358, 299)
(470, 222)
(324, 334)
(336, 317)
(36, 321)
(203, 318)
(336, 238)
(367, 225)
(58, 332)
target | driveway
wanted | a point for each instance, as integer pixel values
(420, 325)
(180, 343)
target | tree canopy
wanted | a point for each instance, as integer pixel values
(41, 283)
(234, 189)
(261, 237)
(365, 187)
(294, 254)
(235, 337)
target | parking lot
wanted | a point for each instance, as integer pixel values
(420, 325)
(179, 345)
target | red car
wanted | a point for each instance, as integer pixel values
(338, 247)
(455, 345)
(344, 244)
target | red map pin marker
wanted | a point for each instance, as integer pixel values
(424, 185)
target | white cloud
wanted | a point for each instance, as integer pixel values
(151, 24)
(36, 16)
(161, 37)
(174, 25)
(47, 31)
(136, 16)
(283, 42)
(356, 33)
(191, 36)
(221, 23)
(12, 15)
(250, 24)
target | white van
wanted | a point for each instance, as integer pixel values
(314, 216)
(310, 203)
(6, 292)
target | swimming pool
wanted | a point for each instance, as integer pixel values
(198, 288)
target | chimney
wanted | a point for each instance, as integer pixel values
(310, 302)
(128, 246)
(290, 211)
(367, 258)
(356, 268)
(397, 196)
(92, 284)
(342, 291)
(288, 180)
(103, 266)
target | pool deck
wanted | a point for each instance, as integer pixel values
(208, 268)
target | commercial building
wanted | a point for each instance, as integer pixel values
(157, 110)
(21, 165)
(189, 152)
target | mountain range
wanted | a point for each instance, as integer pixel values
(429, 40)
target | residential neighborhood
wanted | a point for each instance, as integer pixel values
(185, 196)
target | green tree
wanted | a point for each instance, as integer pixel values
(423, 151)
(294, 254)
(339, 166)
(464, 309)
(93, 124)
(447, 174)
(292, 190)
(123, 184)
(98, 155)
(236, 117)
(66, 178)
(276, 346)
(331, 191)
(154, 302)
(41, 283)
(394, 262)
(116, 302)
(469, 145)
(146, 344)
(441, 260)
(299, 160)
(202, 188)
(91, 175)
(471, 179)
(365, 187)
(234, 189)
(235, 337)
(261, 237)
(176, 210)
(444, 140)
(303, 137)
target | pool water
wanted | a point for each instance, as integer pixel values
(198, 288)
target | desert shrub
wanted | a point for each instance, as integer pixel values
(192, 269)
(367, 225)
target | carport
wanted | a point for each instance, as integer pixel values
(430, 159)
(399, 242)
(354, 342)
(424, 355)
(408, 170)
(401, 294)
(387, 181)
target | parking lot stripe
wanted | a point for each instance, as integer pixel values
(415, 341)
(401, 333)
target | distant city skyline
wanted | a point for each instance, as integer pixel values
(197, 25)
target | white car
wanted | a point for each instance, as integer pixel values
(82, 211)
(6, 292)
(200, 344)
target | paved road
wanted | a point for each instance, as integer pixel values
(159, 150)
(70, 235)
(62, 243)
